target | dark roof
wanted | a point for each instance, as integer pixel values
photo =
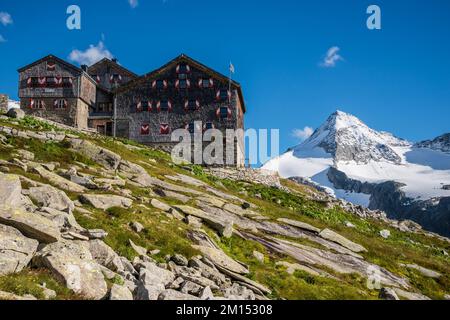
(115, 64)
(52, 57)
(59, 60)
(190, 61)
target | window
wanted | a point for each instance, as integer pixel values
(182, 84)
(164, 129)
(97, 78)
(115, 78)
(145, 129)
(104, 107)
(183, 68)
(182, 76)
(51, 66)
(37, 104)
(191, 105)
(164, 105)
(60, 104)
(223, 113)
(205, 83)
(223, 95)
(101, 129)
(159, 84)
(208, 126)
(143, 106)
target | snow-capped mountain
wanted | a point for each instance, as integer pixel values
(371, 168)
(13, 104)
(441, 143)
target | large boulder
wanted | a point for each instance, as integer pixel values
(105, 157)
(59, 181)
(72, 264)
(50, 197)
(220, 259)
(105, 255)
(120, 293)
(16, 113)
(106, 201)
(31, 225)
(173, 295)
(10, 191)
(16, 250)
(337, 238)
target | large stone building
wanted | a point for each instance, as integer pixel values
(114, 101)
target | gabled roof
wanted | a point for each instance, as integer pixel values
(51, 57)
(61, 61)
(183, 59)
(114, 64)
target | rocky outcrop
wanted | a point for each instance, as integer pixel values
(59, 181)
(333, 236)
(104, 202)
(16, 250)
(105, 157)
(50, 197)
(72, 264)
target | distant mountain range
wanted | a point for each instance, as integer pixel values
(375, 169)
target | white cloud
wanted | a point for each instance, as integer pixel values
(303, 134)
(331, 58)
(2, 39)
(91, 55)
(133, 3)
(5, 18)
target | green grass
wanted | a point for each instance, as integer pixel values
(28, 282)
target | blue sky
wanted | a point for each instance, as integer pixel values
(396, 79)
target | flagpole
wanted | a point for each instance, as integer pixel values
(229, 85)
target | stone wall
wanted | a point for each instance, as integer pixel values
(3, 103)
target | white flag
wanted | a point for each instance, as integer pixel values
(231, 68)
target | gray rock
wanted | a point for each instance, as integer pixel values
(104, 202)
(16, 250)
(300, 225)
(148, 292)
(161, 205)
(292, 267)
(385, 234)
(153, 275)
(220, 259)
(206, 294)
(337, 238)
(25, 154)
(107, 158)
(59, 181)
(191, 288)
(105, 255)
(48, 196)
(16, 113)
(173, 295)
(424, 271)
(138, 249)
(95, 234)
(32, 225)
(71, 263)
(180, 260)
(10, 191)
(136, 226)
(259, 256)
(10, 296)
(410, 295)
(121, 293)
(223, 226)
(388, 294)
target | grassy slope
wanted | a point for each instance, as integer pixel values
(169, 235)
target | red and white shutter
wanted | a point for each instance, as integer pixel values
(29, 81)
(32, 103)
(158, 106)
(70, 80)
(188, 69)
(229, 113)
(55, 103)
(200, 83)
(165, 83)
(65, 103)
(51, 66)
(164, 128)
(149, 106)
(211, 82)
(145, 129)
(169, 105)
(177, 84)
(58, 80)
(42, 80)
(139, 107)
(218, 112)
(188, 83)
(186, 105)
(154, 84)
(98, 79)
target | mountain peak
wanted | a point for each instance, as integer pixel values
(347, 138)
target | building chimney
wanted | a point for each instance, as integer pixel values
(114, 60)
(84, 68)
